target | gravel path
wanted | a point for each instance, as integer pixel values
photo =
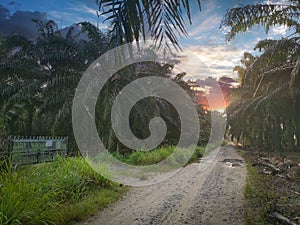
(214, 197)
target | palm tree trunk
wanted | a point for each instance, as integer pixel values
(297, 122)
(276, 134)
(30, 120)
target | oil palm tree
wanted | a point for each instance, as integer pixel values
(38, 79)
(64, 58)
(241, 70)
(163, 21)
(270, 106)
(21, 78)
(144, 110)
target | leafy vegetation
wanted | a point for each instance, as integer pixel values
(145, 109)
(242, 18)
(65, 190)
(53, 193)
(259, 196)
(264, 110)
(37, 83)
(268, 193)
(156, 155)
(39, 80)
(135, 20)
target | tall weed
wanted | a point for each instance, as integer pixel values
(34, 194)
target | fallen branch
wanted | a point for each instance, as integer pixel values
(269, 165)
(282, 218)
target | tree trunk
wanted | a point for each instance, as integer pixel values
(276, 134)
(29, 120)
(297, 122)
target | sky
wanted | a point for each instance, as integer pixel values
(206, 52)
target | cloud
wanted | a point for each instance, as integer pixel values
(91, 14)
(203, 61)
(207, 20)
(89, 10)
(20, 22)
(210, 23)
(278, 2)
(279, 30)
(84, 8)
(65, 18)
(4, 13)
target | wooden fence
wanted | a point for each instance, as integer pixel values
(30, 150)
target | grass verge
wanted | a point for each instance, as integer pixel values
(53, 193)
(259, 197)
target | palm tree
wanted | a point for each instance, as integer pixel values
(145, 109)
(162, 21)
(268, 109)
(20, 83)
(246, 62)
(64, 58)
(38, 79)
(239, 97)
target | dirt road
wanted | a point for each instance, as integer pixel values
(214, 197)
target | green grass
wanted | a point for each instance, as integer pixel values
(157, 155)
(259, 197)
(96, 200)
(53, 193)
(66, 190)
(198, 153)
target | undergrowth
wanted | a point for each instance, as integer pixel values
(157, 155)
(259, 197)
(68, 189)
(53, 193)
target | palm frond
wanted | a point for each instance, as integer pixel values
(279, 55)
(241, 19)
(135, 19)
(274, 97)
(295, 75)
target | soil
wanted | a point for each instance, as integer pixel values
(213, 196)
